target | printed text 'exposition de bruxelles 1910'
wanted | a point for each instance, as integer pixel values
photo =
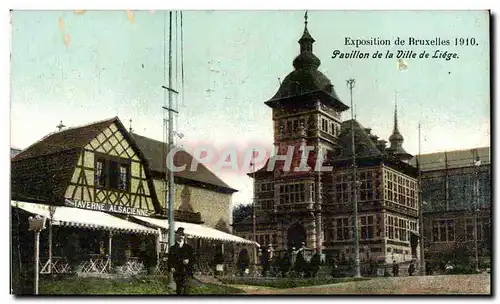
(403, 54)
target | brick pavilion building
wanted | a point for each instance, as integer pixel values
(317, 208)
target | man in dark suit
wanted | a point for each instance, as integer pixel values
(395, 269)
(180, 262)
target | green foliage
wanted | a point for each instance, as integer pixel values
(485, 265)
(126, 286)
(286, 282)
(462, 269)
(240, 212)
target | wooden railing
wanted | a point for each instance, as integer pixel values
(96, 264)
(58, 265)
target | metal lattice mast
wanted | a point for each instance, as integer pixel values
(350, 84)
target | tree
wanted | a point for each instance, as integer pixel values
(240, 212)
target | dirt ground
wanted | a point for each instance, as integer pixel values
(446, 284)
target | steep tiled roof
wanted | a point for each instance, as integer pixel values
(43, 170)
(155, 151)
(364, 146)
(44, 177)
(72, 138)
(455, 159)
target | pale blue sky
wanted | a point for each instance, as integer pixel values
(232, 62)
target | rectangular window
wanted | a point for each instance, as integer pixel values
(123, 177)
(346, 228)
(469, 229)
(443, 230)
(367, 227)
(413, 226)
(435, 231)
(339, 230)
(366, 186)
(403, 228)
(324, 125)
(100, 177)
(343, 229)
(390, 227)
(294, 193)
(450, 231)
(481, 229)
(112, 174)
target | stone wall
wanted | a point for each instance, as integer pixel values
(215, 208)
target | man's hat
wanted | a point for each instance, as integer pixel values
(180, 231)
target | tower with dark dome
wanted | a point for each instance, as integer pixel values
(306, 111)
(314, 209)
(307, 98)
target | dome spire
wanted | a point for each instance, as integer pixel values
(306, 41)
(396, 138)
(395, 130)
(306, 58)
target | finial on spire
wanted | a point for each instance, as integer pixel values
(60, 126)
(306, 58)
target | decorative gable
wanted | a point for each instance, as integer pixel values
(111, 176)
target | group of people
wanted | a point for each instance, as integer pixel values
(293, 262)
(181, 261)
(395, 269)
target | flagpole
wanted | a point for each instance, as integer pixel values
(169, 159)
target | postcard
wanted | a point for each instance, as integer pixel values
(250, 152)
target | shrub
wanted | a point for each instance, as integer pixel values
(461, 269)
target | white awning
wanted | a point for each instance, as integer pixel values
(197, 230)
(83, 218)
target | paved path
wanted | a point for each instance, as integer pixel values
(447, 284)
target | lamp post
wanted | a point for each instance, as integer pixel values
(421, 211)
(36, 224)
(254, 219)
(350, 84)
(477, 163)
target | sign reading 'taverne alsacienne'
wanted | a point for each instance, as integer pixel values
(107, 207)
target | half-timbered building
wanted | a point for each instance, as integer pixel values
(103, 198)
